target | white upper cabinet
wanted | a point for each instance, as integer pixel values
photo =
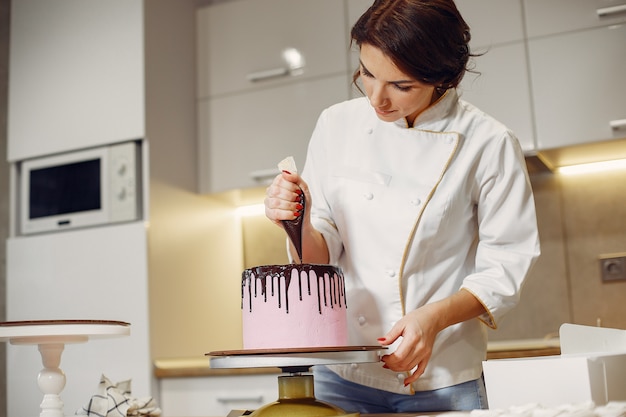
(254, 44)
(243, 137)
(76, 75)
(577, 56)
(548, 17)
(501, 89)
(493, 22)
(257, 103)
(579, 86)
(355, 9)
(500, 84)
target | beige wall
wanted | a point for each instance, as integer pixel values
(580, 217)
(194, 241)
(594, 220)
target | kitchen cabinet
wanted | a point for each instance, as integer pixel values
(246, 44)
(98, 273)
(578, 86)
(500, 86)
(355, 9)
(549, 17)
(217, 395)
(502, 24)
(577, 63)
(70, 91)
(244, 136)
(254, 106)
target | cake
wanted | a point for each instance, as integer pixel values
(293, 306)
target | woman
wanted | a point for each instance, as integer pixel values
(425, 203)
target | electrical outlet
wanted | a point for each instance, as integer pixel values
(613, 267)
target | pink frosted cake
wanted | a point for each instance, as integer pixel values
(293, 306)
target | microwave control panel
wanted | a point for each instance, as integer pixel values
(124, 177)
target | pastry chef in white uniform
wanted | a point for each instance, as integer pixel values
(424, 201)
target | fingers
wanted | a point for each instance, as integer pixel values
(413, 352)
(415, 375)
(414, 362)
(405, 357)
(391, 336)
(281, 201)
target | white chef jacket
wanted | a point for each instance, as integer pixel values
(412, 215)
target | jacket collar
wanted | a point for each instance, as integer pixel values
(437, 111)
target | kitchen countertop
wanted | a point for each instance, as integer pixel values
(200, 366)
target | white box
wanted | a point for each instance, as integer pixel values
(591, 367)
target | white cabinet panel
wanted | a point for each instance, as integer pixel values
(579, 85)
(502, 89)
(492, 22)
(95, 274)
(240, 38)
(244, 134)
(546, 17)
(355, 9)
(216, 395)
(76, 75)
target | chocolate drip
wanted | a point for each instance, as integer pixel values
(327, 276)
(294, 228)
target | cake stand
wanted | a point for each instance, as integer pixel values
(296, 397)
(51, 336)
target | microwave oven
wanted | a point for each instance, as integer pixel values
(89, 187)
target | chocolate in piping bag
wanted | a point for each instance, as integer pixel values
(293, 228)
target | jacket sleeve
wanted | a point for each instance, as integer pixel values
(508, 239)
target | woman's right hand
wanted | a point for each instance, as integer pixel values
(282, 198)
(282, 203)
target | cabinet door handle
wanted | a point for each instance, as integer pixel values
(267, 74)
(263, 175)
(618, 124)
(611, 10)
(256, 399)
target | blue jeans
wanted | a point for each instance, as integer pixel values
(352, 397)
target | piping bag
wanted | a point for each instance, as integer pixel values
(294, 227)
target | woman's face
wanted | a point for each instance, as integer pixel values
(392, 94)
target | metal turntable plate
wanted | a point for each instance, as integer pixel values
(294, 357)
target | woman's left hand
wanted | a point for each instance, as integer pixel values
(420, 327)
(418, 332)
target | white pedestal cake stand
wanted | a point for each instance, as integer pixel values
(51, 336)
(295, 391)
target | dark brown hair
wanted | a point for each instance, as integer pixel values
(426, 39)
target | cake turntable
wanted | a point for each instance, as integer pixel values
(296, 397)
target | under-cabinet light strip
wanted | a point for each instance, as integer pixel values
(593, 167)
